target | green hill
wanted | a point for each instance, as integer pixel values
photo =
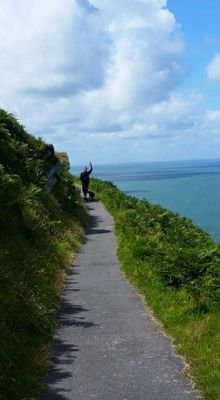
(42, 220)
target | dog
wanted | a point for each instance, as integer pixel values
(91, 195)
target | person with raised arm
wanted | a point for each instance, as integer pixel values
(84, 177)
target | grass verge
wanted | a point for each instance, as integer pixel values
(35, 251)
(176, 267)
(34, 257)
(39, 236)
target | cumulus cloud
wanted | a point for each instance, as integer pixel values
(213, 69)
(211, 122)
(84, 71)
(167, 118)
(49, 48)
(144, 56)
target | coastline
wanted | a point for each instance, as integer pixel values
(189, 188)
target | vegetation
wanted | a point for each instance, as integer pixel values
(176, 266)
(65, 160)
(40, 233)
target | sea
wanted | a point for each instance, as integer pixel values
(189, 188)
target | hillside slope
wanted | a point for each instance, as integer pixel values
(40, 233)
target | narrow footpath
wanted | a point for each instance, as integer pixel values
(106, 346)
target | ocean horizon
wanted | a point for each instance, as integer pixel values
(190, 188)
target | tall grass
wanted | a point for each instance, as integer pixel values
(39, 236)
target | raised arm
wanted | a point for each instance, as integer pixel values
(91, 169)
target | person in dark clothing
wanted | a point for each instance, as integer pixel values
(84, 177)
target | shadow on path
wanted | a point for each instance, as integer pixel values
(94, 221)
(64, 353)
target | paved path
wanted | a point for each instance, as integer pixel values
(106, 346)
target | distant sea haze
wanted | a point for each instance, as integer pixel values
(190, 188)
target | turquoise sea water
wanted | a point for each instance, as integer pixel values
(190, 188)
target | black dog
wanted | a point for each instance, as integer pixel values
(91, 195)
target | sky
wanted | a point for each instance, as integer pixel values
(114, 81)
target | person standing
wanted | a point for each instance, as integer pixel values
(84, 177)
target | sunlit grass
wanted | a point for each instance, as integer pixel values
(149, 240)
(40, 233)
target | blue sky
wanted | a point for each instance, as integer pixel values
(199, 22)
(114, 81)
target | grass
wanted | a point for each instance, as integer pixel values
(179, 291)
(39, 236)
(175, 265)
(34, 256)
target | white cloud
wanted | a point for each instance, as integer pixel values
(144, 59)
(173, 116)
(213, 116)
(211, 123)
(213, 69)
(81, 73)
(48, 48)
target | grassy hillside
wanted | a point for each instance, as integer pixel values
(176, 266)
(40, 233)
